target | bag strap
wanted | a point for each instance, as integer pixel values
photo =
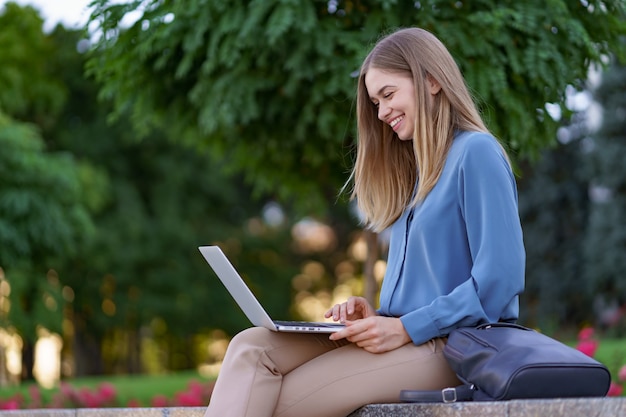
(446, 395)
(501, 324)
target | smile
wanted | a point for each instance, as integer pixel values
(395, 121)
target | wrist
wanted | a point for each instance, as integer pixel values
(402, 330)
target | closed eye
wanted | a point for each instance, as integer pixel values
(386, 96)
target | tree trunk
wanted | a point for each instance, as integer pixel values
(28, 360)
(87, 355)
(133, 359)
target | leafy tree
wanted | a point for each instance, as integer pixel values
(554, 208)
(142, 273)
(42, 206)
(41, 209)
(572, 203)
(44, 194)
(134, 271)
(42, 217)
(29, 92)
(269, 84)
(605, 243)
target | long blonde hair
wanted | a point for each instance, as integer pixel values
(387, 169)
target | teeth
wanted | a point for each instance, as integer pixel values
(395, 121)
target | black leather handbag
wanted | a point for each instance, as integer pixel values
(504, 361)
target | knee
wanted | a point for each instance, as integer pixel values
(253, 336)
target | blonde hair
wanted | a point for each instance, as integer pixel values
(387, 169)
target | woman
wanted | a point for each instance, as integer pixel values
(428, 168)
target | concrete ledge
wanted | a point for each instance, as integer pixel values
(571, 407)
(575, 407)
(109, 412)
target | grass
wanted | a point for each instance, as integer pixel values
(129, 387)
(612, 353)
(143, 387)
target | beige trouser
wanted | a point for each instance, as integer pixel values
(267, 374)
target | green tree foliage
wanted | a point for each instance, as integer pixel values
(45, 194)
(269, 84)
(572, 203)
(605, 243)
(28, 92)
(144, 272)
(41, 209)
(42, 217)
(554, 208)
(155, 202)
(141, 275)
(131, 269)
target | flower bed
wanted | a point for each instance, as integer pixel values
(106, 395)
(588, 344)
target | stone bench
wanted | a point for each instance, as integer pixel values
(576, 407)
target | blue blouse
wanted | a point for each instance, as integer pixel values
(457, 258)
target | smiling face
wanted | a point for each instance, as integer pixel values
(393, 95)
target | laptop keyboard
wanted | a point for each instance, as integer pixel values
(306, 323)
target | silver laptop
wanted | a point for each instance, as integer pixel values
(251, 307)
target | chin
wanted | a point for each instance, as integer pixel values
(404, 135)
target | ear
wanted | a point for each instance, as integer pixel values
(433, 85)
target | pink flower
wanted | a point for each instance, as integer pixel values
(134, 403)
(106, 392)
(10, 404)
(159, 401)
(188, 399)
(66, 389)
(586, 333)
(89, 399)
(15, 402)
(621, 375)
(588, 347)
(615, 390)
(195, 387)
(35, 396)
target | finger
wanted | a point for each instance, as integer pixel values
(356, 331)
(346, 332)
(336, 310)
(351, 305)
(343, 312)
(341, 334)
(333, 311)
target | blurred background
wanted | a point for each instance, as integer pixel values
(132, 132)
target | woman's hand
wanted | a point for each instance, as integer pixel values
(375, 334)
(353, 309)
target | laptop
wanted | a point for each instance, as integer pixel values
(248, 303)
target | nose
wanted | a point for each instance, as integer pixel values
(383, 111)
